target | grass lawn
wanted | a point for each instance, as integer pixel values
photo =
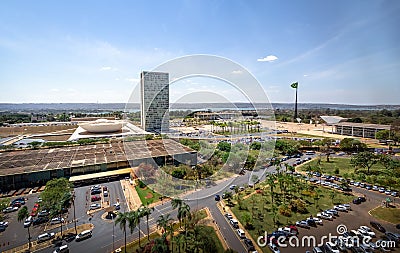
(391, 215)
(147, 195)
(343, 164)
(259, 206)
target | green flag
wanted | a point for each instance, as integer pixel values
(294, 85)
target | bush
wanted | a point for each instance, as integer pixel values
(141, 184)
(285, 211)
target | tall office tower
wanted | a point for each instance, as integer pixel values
(154, 101)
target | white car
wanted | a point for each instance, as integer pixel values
(273, 248)
(366, 231)
(56, 220)
(4, 223)
(240, 233)
(347, 206)
(317, 220)
(324, 216)
(340, 208)
(95, 206)
(388, 192)
(375, 188)
(10, 209)
(332, 247)
(381, 190)
(45, 237)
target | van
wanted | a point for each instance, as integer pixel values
(62, 249)
(84, 235)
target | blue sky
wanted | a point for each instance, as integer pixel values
(93, 51)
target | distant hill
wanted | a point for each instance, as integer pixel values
(107, 107)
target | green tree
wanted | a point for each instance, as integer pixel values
(224, 146)
(163, 222)
(365, 160)
(352, 145)
(3, 204)
(23, 214)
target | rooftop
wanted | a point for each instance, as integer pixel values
(27, 161)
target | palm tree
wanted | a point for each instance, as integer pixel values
(163, 221)
(134, 220)
(176, 203)
(22, 215)
(122, 219)
(160, 245)
(271, 182)
(179, 240)
(146, 211)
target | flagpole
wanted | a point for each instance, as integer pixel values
(295, 106)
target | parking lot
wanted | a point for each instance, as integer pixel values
(16, 235)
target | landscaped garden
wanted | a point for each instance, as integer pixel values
(389, 214)
(146, 195)
(282, 200)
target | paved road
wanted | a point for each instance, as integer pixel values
(102, 240)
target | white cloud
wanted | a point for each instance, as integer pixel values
(132, 80)
(237, 72)
(305, 75)
(55, 90)
(105, 68)
(269, 58)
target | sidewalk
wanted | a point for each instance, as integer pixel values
(131, 196)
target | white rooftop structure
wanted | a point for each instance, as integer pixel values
(332, 119)
(103, 129)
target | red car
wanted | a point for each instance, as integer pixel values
(96, 198)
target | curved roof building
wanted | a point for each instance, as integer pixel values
(102, 126)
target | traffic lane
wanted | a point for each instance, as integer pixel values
(227, 231)
(375, 195)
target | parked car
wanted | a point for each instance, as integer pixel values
(4, 223)
(56, 220)
(95, 206)
(318, 221)
(217, 198)
(40, 220)
(273, 248)
(332, 247)
(234, 223)
(28, 222)
(302, 224)
(43, 213)
(96, 198)
(105, 193)
(10, 209)
(45, 237)
(340, 208)
(249, 244)
(228, 216)
(232, 187)
(393, 237)
(324, 216)
(377, 226)
(366, 231)
(240, 233)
